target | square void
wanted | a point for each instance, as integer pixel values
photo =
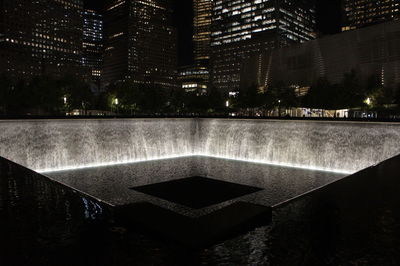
(197, 192)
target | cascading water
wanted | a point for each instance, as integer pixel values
(334, 146)
(45, 145)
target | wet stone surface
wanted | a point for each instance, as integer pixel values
(112, 184)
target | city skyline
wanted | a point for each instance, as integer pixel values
(199, 132)
(328, 16)
(125, 59)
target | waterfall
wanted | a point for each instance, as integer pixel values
(44, 145)
(344, 147)
(347, 147)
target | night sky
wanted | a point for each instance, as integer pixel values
(328, 22)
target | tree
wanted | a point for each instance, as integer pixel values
(353, 92)
(196, 103)
(177, 100)
(5, 92)
(377, 94)
(250, 97)
(77, 93)
(397, 95)
(152, 98)
(320, 95)
(279, 95)
(215, 100)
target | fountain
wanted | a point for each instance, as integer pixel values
(236, 175)
(343, 147)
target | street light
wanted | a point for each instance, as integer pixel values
(116, 104)
(279, 108)
(65, 105)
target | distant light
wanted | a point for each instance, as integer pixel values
(368, 101)
(227, 104)
(116, 101)
(65, 100)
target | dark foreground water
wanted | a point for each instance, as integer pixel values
(355, 221)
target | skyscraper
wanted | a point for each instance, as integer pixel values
(140, 42)
(92, 56)
(241, 28)
(358, 14)
(202, 31)
(196, 78)
(40, 37)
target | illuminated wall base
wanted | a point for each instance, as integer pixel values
(281, 164)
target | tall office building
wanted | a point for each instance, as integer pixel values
(140, 43)
(202, 31)
(196, 78)
(358, 14)
(241, 28)
(92, 54)
(40, 37)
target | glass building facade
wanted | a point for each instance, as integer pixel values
(202, 31)
(92, 56)
(242, 28)
(40, 37)
(358, 14)
(196, 78)
(140, 42)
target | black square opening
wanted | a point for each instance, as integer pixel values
(197, 192)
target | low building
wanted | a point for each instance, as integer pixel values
(370, 51)
(194, 79)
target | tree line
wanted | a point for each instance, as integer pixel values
(351, 93)
(45, 95)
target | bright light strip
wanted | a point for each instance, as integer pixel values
(281, 164)
(288, 165)
(103, 164)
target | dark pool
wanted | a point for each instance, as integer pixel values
(354, 221)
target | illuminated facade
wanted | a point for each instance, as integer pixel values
(193, 79)
(358, 14)
(241, 28)
(40, 37)
(92, 56)
(196, 78)
(372, 51)
(140, 43)
(202, 31)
